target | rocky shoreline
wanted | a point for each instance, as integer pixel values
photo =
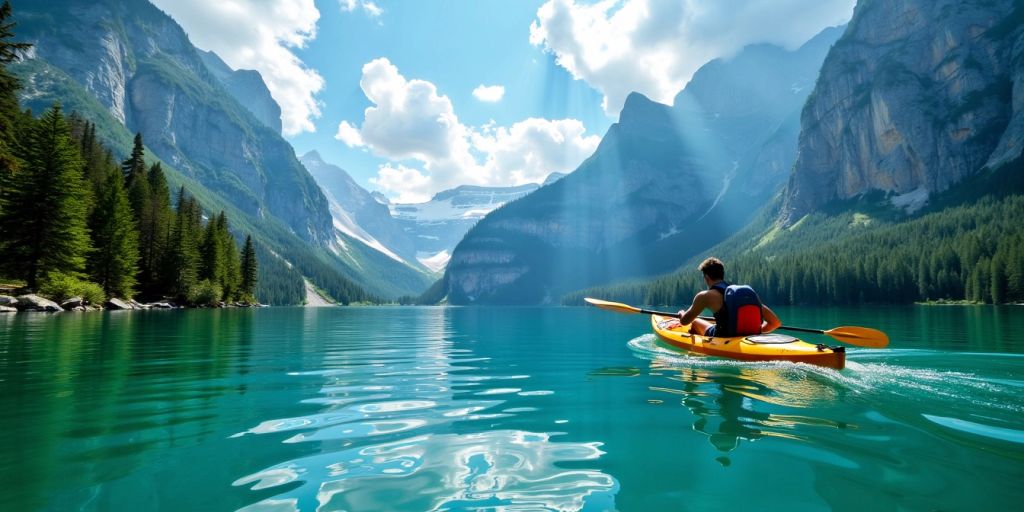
(35, 303)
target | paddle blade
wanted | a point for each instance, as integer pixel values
(617, 307)
(860, 336)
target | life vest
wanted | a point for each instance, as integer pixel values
(740, 314)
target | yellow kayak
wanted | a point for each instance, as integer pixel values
(762, 347)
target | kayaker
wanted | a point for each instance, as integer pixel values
(742, 314)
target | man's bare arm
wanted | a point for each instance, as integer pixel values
(691, 314)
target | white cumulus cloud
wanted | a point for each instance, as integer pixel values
(415, 127)
(260, 35)
(531, 149)
(411, 185)
(489, 93)
(655, 46)
(349, 135)
(370, 8)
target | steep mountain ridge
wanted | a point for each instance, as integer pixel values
(151, 79)
(248, 87)
(145, 76)
(915, 97)
(664, 183)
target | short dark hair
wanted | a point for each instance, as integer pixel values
(713, 268)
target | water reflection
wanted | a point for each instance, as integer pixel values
(440, 472)
(739, 402)
(89, 397)
(415, 428)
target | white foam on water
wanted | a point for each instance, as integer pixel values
(864, 377)
(970, 427)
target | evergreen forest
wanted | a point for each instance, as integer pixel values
(968, 253)
(76, 222)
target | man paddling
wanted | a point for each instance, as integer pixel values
(738, 311)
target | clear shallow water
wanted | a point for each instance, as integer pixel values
(464, 408)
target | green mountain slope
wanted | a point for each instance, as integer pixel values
(144, 74)
(968, 244)
(284, 258)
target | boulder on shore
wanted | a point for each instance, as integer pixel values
(116, 304)
(72, 303)
(7, 300)
(32, 302)
(8, 309)
(161, 305)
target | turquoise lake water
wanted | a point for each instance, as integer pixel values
(487, 408)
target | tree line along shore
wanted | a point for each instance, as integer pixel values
(80, 230)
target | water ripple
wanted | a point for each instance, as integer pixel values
(385, 433)
(492, 469)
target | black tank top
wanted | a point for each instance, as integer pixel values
(722, 315)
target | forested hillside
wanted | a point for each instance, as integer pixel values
(866, 252)
(148, 78)
(75, 222)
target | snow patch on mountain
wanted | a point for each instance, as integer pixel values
(467, 202)
(436, 262)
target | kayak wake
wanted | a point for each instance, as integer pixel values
(864, 377)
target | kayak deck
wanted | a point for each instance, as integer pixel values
(766, 347)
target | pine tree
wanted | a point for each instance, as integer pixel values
(248, 271)
(114, 264)
(155, 231)
(44, 220)
(10, 113)
(231, 277)
(181, 269)
(212, 267)
(998, 279)
(137, 182)
(96, 159)
(135, 165)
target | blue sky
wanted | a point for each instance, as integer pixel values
(385, 89)
(482, 42)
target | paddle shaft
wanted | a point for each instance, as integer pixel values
(860, 336)
(666, 313)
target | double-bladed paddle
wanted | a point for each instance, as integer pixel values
(853, 335)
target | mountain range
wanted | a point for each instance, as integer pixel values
(664, 183)
(128, 67)
(909, 176)
(913, 107)
(421, 235)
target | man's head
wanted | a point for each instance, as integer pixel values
(713, 270)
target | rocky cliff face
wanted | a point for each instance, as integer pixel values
(247, 86)
(916, 96)
(140, 64)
